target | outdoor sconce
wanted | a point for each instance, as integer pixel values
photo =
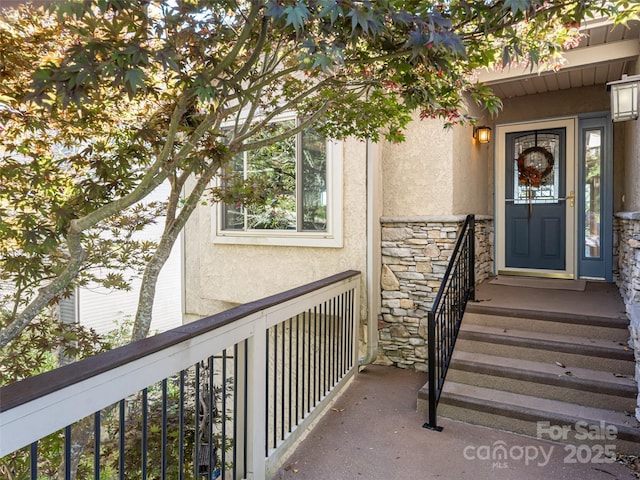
(482, 134)
(624, 98)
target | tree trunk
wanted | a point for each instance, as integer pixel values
(173, 227)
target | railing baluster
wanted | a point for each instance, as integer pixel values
(223, 453)
(196, 398)
(163, 472)
(96, 445)
(34, 460)
(245, 422)
(234, 451)
(308, 357)
(445, 316)
(211, 414)
(324, 349)
(283, 384)
(275, 386)
(122, 437)
(181, 428)
(333, 337)
(298, 399)
(145, 420)
(67, 452)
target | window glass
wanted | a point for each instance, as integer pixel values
(291, 179)
(592, 194)
(536, 174)
(314, 181)
(233, 214)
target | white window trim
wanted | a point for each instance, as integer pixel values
(331, 238)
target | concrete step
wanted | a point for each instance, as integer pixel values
(576, 351)
(597, 428)
(610, 320)
(613, 329)
(553, 381)
(540, 373)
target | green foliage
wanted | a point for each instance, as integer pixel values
(116, 96)
(37, 349)
(58, 165)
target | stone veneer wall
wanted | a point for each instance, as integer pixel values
(628, 279)
(415, 255)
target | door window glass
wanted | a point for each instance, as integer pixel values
(592, 198)
(535, 169)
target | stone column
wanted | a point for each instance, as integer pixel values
(628, 280)
(415, 255)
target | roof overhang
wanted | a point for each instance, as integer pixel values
(604, 54)
(573, 59)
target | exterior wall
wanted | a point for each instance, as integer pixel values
(416, 252)
(472, 167)
(629, 256)
(218, 274)
(437, 171)
(418, 178)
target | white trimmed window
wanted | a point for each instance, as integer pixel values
(300, 182)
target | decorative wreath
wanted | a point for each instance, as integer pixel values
(534, 165)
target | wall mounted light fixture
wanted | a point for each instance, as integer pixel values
(482, 134)
(624, 98)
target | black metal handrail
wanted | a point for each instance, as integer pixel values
(445, 317)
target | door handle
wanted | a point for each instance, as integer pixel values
(572, 198)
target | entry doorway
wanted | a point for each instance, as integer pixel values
(554, 197)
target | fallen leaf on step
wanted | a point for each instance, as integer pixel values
(562, 365)
(569, 374)
(338, 410)
(619, 375)
(626, 348)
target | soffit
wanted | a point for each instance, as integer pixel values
(605, 53)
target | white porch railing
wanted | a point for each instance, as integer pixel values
(227, 395)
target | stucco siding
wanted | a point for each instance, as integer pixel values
(418, 178)
(472, 165)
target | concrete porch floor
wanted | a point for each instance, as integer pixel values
(373, 430)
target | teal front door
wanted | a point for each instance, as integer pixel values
(535, 198)
(535, 234)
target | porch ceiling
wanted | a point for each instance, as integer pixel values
(604, 54)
